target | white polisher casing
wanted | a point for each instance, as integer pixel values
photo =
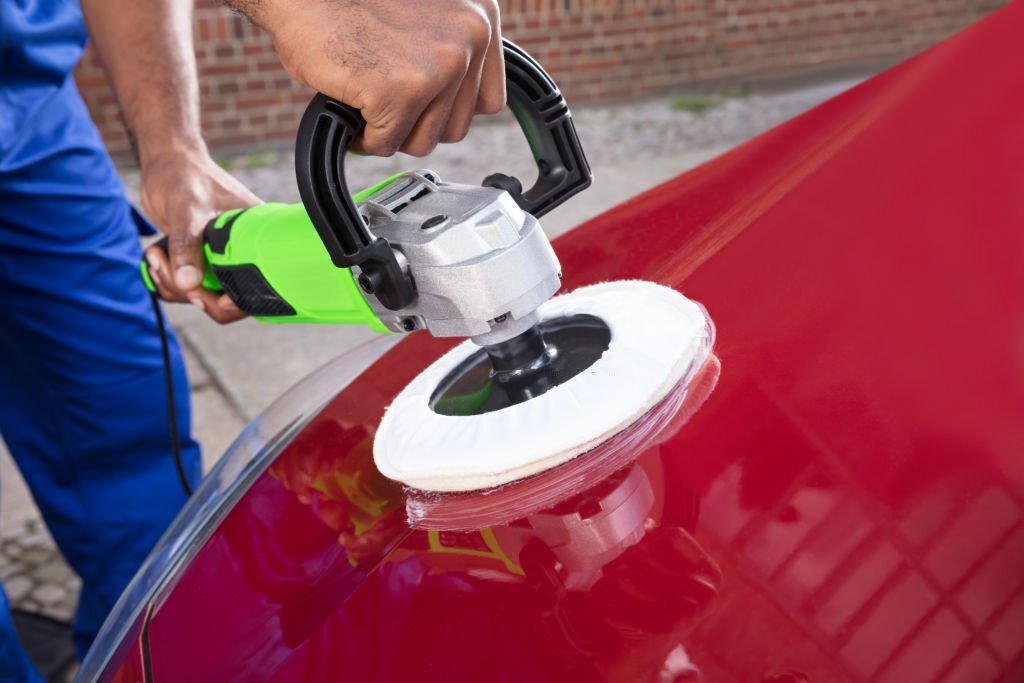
(656, 335)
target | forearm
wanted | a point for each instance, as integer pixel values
(146, 50)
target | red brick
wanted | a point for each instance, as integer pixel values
(596, 49)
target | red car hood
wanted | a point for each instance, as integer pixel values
(847, 504)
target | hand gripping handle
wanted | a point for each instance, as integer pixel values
(328, 128)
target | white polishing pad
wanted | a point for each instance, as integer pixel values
(656, 333)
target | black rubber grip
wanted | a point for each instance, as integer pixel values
(544, 116)
(251, 292)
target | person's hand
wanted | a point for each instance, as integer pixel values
(181, 191)
(418, 71)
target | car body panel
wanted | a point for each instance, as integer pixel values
(846, 505)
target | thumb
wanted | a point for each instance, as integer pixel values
(187, 262)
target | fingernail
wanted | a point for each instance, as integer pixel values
(188, 277)
(154, 263)
(198, 301)
(229, 305)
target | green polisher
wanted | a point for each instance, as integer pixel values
(412, 252)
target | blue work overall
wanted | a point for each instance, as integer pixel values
(83, 407)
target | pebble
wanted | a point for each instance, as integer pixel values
(54, 571)
(34, 555)
(35, 575)
(17, 588)
(49, 594)
(8, 569)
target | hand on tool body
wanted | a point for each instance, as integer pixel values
(181, 191)
(417, 71)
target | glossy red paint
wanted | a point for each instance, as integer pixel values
(847, 505)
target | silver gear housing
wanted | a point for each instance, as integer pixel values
(481, 265)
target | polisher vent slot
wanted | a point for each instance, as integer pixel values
(404, 205)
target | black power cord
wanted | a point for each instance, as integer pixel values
(172, 416)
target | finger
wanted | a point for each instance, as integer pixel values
(388, 125)
(492, 85)
(166, 293)
(229, 311)
(385, 139)
(465, 104)
(159, 269)
(218, 306)
(428, 130)
(186, 253)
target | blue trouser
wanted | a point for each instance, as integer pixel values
(83, 407)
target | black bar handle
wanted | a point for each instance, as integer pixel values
(328, 127)
(544, 117)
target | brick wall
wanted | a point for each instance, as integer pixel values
(595, 49)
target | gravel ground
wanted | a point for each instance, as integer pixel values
(34, 574)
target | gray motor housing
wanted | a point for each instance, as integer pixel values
(481, 265)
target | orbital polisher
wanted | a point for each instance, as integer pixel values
(415, 252)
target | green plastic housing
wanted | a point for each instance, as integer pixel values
(281, 241)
